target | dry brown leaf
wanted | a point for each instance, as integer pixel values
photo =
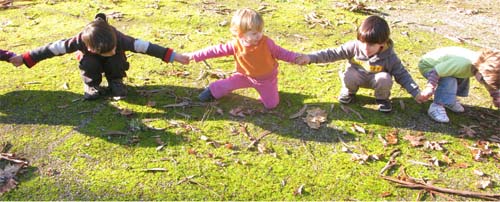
(359, 129)
(384, 142)
(261, 148)
(126, 112)
(433, 145)
(468, 131)
(461, 165)
(315, 117)
(299, 190)
(478, 172)
(192, 151)
(386, 194)
(392, 137)
(238, 111)
(483, 184)
(228, 146)
(415, 141)
(299, 113)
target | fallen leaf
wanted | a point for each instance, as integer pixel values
(315, 117)
(478, 172)
(357, 128)
(386, 194)
(392, 137)
(204, 138)
(483, 184)
(384, 142)
(126, 112)
(468, 131)
(299, 113)
(461, 165)
(415, 141)
(238, 111)
(299, 190)
(192, 151)
(228, 146)
(432, 145)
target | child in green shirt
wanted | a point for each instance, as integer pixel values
(448, 71)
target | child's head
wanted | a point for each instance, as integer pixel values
(247, 25)
(488, 67)
(374, 29)
(373, 34)
(99, 36)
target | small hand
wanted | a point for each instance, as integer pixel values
(16, 60)
(302, 60)
(421, 99)
(181, 58)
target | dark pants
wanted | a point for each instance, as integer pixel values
(92, 66)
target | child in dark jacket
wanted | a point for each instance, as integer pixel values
(372, 63)
(101, 50)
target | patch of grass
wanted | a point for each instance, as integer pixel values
(73, 156)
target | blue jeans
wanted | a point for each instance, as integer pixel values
(449, 88)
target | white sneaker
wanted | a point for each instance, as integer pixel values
(457, 107)
(438, 113)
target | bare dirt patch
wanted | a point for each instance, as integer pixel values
(476, 22)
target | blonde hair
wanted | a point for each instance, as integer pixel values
(488, 65)
(245, 20)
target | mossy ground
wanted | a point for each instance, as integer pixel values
(72, 158)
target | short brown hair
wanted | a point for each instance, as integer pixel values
(488, 65)
(374, 29)
(99, 36)
(245, 20)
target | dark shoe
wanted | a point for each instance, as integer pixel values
(90, 92)
(384, 105)
(206, 95)
(346, 98)
(118, 89)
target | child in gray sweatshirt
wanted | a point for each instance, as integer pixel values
(372, 63)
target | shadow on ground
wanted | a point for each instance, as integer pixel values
(98, 118)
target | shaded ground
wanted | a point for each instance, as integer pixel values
(473, 22)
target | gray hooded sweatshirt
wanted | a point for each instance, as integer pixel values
(385, 61)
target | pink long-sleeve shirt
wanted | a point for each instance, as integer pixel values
(254, 61)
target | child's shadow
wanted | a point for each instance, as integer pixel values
(167, 112)
(407, 114)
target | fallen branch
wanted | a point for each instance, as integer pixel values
(256, 141)
(431, 188)
(392, 161)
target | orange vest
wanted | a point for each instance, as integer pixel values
(254, 61)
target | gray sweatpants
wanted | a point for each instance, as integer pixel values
(354, 78)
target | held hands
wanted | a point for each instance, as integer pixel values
(16, 60)
(425, 95)
(302, 60)
(182, 58)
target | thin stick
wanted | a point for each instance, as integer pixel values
(392, 161)
(428, 187)
(256, 141)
